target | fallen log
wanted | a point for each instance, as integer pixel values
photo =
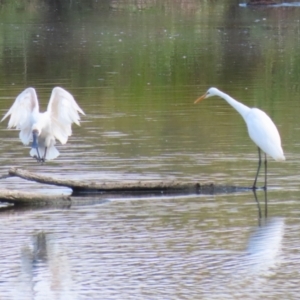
(114, 188)
(78, 187)
(27, 198)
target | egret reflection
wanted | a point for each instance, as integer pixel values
(264, 246)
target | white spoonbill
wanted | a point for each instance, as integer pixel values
(45, 127)
(261, 129)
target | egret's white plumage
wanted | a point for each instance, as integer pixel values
(261, 128)
(53, 124)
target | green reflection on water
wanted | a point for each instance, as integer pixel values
(137, 70)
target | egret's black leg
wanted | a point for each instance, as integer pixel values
(266, 199)
(259, 164)
(265, 187)
(266, 203)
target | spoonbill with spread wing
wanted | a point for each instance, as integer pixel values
(261, 129)
(44, 128)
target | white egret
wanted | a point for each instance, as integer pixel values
(45, 127)
(261, 129)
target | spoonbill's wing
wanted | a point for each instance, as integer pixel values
(63, 111)
(22, 113)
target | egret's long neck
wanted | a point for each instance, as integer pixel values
(240, 107)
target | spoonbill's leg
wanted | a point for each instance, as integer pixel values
(35, 144)
(44, 158)
(38, 157)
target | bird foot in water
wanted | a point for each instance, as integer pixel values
(40, 160)
(255, 188)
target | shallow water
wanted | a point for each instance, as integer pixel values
(136, 71)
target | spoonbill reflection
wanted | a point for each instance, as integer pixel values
(44, 128)
(261, 129)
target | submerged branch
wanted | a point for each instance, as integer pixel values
(125, 186)
(117, 188)
(26, 198)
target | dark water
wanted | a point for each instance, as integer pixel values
(135, 69)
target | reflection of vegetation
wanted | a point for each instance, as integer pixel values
(132, 5)
(149, 48)
(170, 44)
(153, 57)
(175, 43)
